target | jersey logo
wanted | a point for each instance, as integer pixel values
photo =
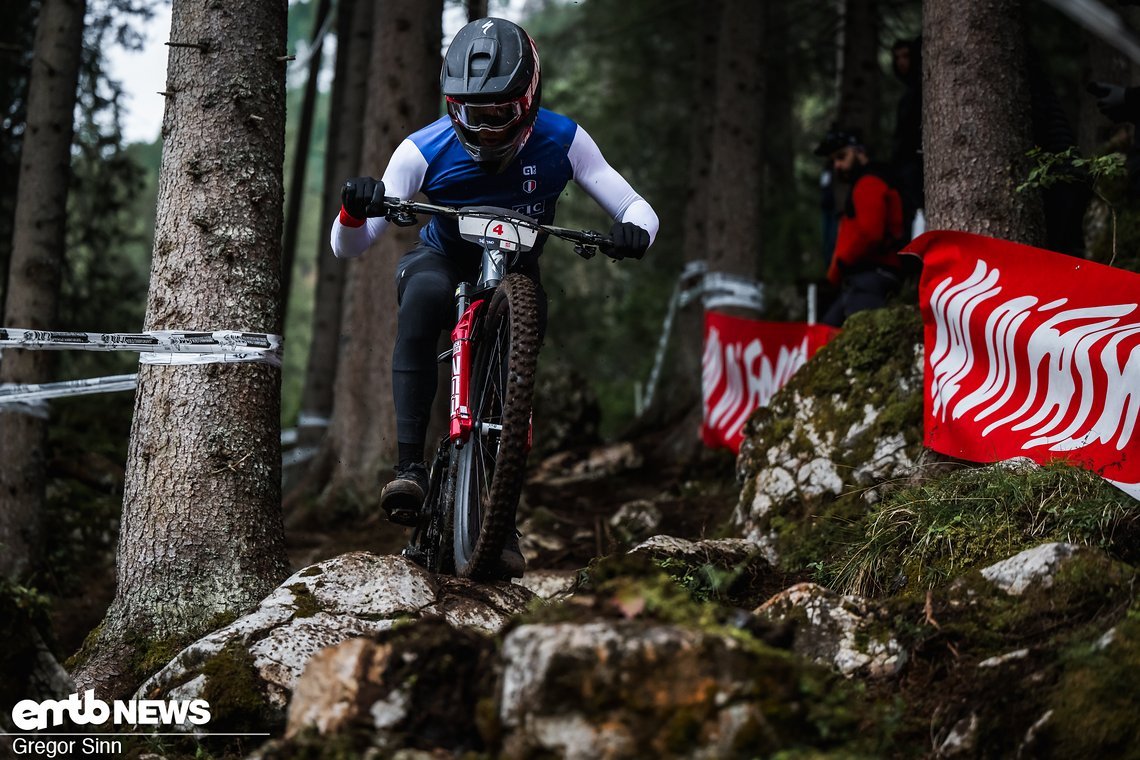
(529, 186)
(530, 171)
(532, 209)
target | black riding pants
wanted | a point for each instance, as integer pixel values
(426, 280)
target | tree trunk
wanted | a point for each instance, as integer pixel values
(38, 243)
(343, 160)
(734, 195)
(202, 536)
(301, 157)
(363, 430)
(976, 121)
(476, 9)
(859, 75)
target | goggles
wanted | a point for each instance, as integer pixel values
(479, 117)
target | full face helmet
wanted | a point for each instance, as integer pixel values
(490, 80)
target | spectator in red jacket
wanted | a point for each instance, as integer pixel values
(865, 264)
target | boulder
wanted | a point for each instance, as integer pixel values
(637, 689)
(721, 552)
(416, 687)
(549, 584)
(356, 594)
(847, 424)
(635, 521)
(843, 632)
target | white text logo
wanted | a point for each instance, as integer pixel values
(30, 715)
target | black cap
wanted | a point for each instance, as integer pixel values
(836, 138)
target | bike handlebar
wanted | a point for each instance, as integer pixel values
(586, 242)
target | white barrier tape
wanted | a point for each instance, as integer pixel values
(157, 346)
(720, 290)
(691, 281)
(22, 394)
(309, 419)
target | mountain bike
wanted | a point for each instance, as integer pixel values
(477, 473)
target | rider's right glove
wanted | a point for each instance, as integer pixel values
(362, 197)
(630, 241)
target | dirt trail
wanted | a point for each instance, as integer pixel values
(566, 508)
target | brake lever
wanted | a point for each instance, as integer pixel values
(585, 251)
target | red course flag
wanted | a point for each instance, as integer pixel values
(745, 362)
(1030, 353)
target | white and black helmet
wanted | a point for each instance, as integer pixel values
(491, 82)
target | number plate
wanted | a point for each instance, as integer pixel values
(506, 234)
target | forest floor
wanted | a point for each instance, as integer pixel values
(566, 508)
(566, 516)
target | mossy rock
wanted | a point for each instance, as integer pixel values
(844, 430)
(999, 663)
(925, 534)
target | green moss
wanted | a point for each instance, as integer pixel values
(304, 601)
(81, 657)
(865, 366)
(235, 692)
(309, 572)
(920, 536)
(150, 655)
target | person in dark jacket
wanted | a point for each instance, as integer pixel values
(865, 264)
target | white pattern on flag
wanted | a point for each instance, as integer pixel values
(1075, 389)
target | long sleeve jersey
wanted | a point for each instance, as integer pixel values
(434, 162)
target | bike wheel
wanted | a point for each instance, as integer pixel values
(490, 467)
(431, 544)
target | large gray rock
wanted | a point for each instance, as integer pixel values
(417, 686)
(724, 552)
(848, 422)
(637, 689)
(842, 632)
(356, 594)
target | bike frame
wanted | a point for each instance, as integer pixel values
(501, 234)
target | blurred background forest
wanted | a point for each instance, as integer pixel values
(633, 72)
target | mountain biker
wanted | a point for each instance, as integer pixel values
(495, 147)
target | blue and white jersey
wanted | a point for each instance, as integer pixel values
(433, 161)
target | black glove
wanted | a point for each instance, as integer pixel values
(363, 197)
(1111, 99)
(630, 241)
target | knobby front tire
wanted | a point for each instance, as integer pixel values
(491, 466)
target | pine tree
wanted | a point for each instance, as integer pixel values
(38, 243)
(403, 87)
(201, 534)
(976, 123)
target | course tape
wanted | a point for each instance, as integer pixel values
(157, 346)
(23, 394)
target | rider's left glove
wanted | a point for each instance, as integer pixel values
(630, 241)
(363, 197)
